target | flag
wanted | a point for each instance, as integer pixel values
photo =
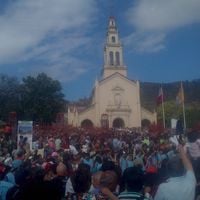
(180, 96)
(159, 98)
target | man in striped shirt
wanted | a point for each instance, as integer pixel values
(133, 180)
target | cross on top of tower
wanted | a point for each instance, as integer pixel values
(112, 23)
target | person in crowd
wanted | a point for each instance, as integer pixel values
(182, 182)
(129, 161)
(95, 186)
(193, 147)
(108, 183)
(19, 157)
(58, 143)
(104, 186)
(97, 164)
(79, 183)
(133, 180)
(88, 160)
(88, 164)
(123, 161)
(5, 185)
(60, 179)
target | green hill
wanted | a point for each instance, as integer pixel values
(149, 92)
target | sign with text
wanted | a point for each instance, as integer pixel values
(25, 133)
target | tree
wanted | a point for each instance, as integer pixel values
(192, 113)
(9, 96)
(171, 111)
(41, 98)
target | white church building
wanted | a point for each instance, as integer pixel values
(115, 98)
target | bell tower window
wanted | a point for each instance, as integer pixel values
(117, 58)
(111, 58)
(113, 39)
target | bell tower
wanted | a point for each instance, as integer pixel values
(113, 52)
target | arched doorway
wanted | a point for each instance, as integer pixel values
(118, 123)
(146, 123)
(86, 123)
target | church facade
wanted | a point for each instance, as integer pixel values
(115, 100)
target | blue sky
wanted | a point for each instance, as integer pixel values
(65, 39)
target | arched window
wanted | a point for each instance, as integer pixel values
(117, 58)
(113, 39)
(111, 58)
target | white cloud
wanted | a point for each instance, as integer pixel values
(47, 30)
(145, 43)
(160, 17)
(64, 71)
(54, 51)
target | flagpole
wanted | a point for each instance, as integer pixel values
(184, 120)
(183, 107)
(163, 110)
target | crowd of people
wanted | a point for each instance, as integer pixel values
(100, 164)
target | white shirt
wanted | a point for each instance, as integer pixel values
(58, 143)
(73, 150)
(177, 188)
(69, 188)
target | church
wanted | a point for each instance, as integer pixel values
(115, 100)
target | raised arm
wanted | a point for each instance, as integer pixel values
(186, 161)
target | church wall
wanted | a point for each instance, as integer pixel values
(114, 95)
(87, 114)
(152, 117)
(129, 108)
(72, 117)
(109, 71)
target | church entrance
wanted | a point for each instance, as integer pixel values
(86, 123)
(118, 123)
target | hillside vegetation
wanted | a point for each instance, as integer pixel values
(149, 92)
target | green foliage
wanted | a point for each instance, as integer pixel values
(171, 110)
(192, 113)
(149, 92)
(41, 98)
(36, 98)
(9, 96)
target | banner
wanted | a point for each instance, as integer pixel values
(180, 95)
(173, 123)
(25, 133)
(160, 97)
